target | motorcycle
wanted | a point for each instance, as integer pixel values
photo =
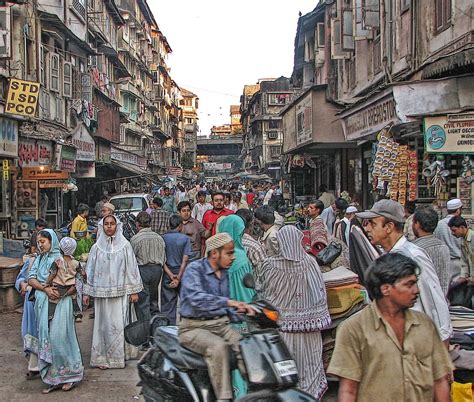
(129, 224)
(170, 372)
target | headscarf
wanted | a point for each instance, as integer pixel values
(234, 226)
(112, 269)
(293, 283)
(42, 264)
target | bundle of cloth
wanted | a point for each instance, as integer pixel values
(461, 347)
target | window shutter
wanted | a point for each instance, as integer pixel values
(370, 14)
(67, 79)
(320, 34)
(337, 52)
(347, 30)
(54, 72)
(359, 32)
(43, 67)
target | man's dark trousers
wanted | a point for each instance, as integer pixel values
(147, 305)
(169, 297)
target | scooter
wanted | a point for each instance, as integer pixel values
(170, 372)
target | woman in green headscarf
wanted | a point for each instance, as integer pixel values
(234, 226)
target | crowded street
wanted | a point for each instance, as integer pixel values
(256, 201)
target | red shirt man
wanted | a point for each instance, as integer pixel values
(209, 220)
(250, 197)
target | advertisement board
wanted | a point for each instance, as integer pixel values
(452, 133)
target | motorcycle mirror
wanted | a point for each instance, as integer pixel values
(249, 281)
(26, 244)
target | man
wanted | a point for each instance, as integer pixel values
(159, 217)
(169, 201)
(79, 224)
(238, 202)
(209, 220)
(268, 195)
(265, 218)
(330, 213)
(255, 251)
(178, 251)
(342, 229)
(424, 224)
(107, 209)
(99, 204)
(443, 233)
(205, 309)
(192, 228)
(385, 228)
(459, 229)
(40, 224)
(149, 248)
(326, 197)
(410, 208)
(388, 352)
(201, 206)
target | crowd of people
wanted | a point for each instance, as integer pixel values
(189, 257)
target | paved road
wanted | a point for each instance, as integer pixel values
(98, 385)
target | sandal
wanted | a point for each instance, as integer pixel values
(67, 387)
(51, 388)
(31, 375)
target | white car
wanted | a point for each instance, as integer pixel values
(133, 203)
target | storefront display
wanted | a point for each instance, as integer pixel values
(27, 206)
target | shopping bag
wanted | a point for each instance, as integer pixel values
(137, 332)
(461, 392)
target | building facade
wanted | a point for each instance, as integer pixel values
(190, 105)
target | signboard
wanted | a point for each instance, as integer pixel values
(452, 133)
(6, 169)
(217, 166)
(304, 120)
(8, 137)
(22, 97)
(84, 143)
(43, 173)
(34, 152)
(85, 169)
(369, 119)
(65, 158)
(128, 157)
(52, 184)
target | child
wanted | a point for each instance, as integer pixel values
(63, 277)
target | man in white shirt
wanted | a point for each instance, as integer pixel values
(385, 229)
(200, 207)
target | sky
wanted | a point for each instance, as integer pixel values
(221, 45)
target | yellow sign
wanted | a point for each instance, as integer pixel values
(22, 97)
(43, 173)
(5, 164)
(6, 175)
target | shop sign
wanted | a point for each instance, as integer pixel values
(34, 152)
(217, 166)
(128, 157)
(52, 184)
(5, 169)
(370, 118)
(84, 143)
(85, 169)
(22, 97)
(43, 173)
(65, 158)
(304, 120)
(452, 133)
(103, 152)
(8, 138)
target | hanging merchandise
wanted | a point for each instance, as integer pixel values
(466, 169)
(436, 174)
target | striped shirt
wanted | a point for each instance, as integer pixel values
(149, 247)
(255, 251)
(439, 255)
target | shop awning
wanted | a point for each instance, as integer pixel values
(128, 167)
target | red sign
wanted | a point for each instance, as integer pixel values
(34, 153)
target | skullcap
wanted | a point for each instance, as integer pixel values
(68, 245)
(217, 241)
(351, 209)
(109, 205)
(453, 204)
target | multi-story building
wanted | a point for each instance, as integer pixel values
(223, 130)
(235, 123)
(190, 105)
(376, 67)
(262, 125)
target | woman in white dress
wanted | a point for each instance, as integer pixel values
(113, 279)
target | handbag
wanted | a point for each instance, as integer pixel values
(329, 253)
(136, 333)
(461, 295)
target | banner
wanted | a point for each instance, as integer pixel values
(8, 137)
(85, 144)
(22, 97)
(452, 133)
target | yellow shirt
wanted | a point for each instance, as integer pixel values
(79, 224)
(367, 351)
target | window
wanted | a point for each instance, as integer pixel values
(320, 34)
(404, 5)
(442, 15)
(278, 99)
(5, 32)
(67, 79)
(377, 57)
(59, 110)
(44, 104)
(79, 6)
(54, 72)
(275, 151)
(43, 67)
(274, 124)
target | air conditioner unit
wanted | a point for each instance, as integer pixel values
(272, 135)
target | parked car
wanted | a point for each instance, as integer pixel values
(133, 203)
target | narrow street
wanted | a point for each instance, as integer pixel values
(98, 385)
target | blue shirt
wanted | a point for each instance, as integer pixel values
(203, 294)
(177, 245)
(169, 204)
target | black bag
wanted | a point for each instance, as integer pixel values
(461, 295)
(136, 333)
(328, 254)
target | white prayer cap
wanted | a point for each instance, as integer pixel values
(109, 205)
(453, 204)
(351, 210)
(68, 245)
(217, 241)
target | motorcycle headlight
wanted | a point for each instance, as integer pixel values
(272, 315)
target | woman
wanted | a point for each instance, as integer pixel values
(292, 282)
(59, 356)
(234, 226)
(113, 279)
(29, 329)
